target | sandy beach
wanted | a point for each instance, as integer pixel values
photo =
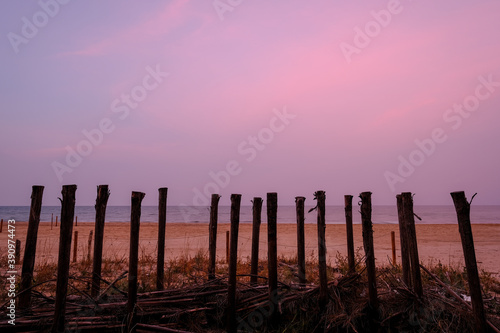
(435, 242)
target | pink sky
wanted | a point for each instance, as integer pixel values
(353, 119)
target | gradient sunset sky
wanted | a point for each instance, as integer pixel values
(185, 89)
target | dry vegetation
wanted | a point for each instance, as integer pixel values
(193, 304)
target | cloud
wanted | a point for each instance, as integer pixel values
(164, 23)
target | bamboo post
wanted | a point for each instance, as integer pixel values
(1, 225)
(416, 279)
(350, 233)
(100, 214)
(75, 247)
(272, 257)
(366, 219)
(162, 220)
(212, 236)
(135, 221)
(227, 247)
(393, 245)
(233, 261)
(67, 213)
(403, 240)
(257, 219)
(89, 245)
(18, 250)
(301, 247)
(30, 247)
(323, 281)
(462, 208)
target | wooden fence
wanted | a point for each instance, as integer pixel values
(409, 251)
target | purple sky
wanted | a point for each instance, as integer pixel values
(281, 96)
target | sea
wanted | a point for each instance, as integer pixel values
(286, 214)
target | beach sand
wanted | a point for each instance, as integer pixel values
(435, 242)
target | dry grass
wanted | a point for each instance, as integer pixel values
(187, 270)
(346, 312)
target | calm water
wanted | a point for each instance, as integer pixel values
(286, 214)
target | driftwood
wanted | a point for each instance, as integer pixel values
(198, 308)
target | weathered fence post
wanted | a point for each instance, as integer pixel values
(233, 261)
(135, 221)
(403, 240)
(350, 233)
(89, 245)
(100, 214)
(162, 220)
(256, 221)
(67, 213)
(393, 246)
(366, 219)
(1, 225)
(76, 221)
(301, 246)
(272, 257)
(56, 220)
(227, 247)
(463, 216)
(323, 281)
(18, 250)
(416, 279)
(212, 236)
(51, 220)
(30, 247)
(75, 247)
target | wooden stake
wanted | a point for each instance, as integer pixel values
(100, 215)
(162, 220)
(18, 250)
(409, 217)
(76, 221)
(30, 247)
(403, 239)
(51, 221)
(67, 214)
(393, 244)
(1, 225)
(227, 247)
(301, 246)
(257, 219)
(462, 207)
(89, 245)
(233, 261)
(272, 257)
(135, 221)
(75, 247)
(212, 236)
(350, 233)
(323, 281)
(56, 220)
(366, 219)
